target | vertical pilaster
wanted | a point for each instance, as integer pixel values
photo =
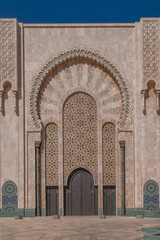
(157, 101)
(122, 147)
(61, 185)
(1, 101)
(100, 174)
(144, 94)
(15, 92)
(38, 187)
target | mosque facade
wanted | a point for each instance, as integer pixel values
(80, 119)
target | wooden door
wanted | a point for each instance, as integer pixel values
(52, 201)
(109, 200)
(81, 197)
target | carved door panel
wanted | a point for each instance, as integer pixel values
(76, 194)
(81, 197)
(52, 201)
(109, 200)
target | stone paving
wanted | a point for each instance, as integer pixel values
(75, 228)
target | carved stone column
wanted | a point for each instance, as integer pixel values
(1, 101)
(144, 94)
(122, 147)
(158, 102)
(38, 179)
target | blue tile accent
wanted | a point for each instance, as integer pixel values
(151, 195)
(9, 196)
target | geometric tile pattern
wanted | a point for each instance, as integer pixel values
(31, 178)
(129, 170)
(9, 196)
(80, 134)
(52, 154)
(151, 49)
(151, 195)
(109, 154)
(7, 50)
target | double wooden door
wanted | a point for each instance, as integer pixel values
(81, 196)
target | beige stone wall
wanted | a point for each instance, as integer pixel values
(114, 43)
(146, 127)
(124, 45)
(12, 125)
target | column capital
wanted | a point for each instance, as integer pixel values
(144, 91)
(157, 91)
(122, 143)
(1, 92)
(158, 102)
(15, 92)
(37, 144)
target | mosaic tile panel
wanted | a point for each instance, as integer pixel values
(9, 196)
(109, 154)
(52, 154)
(151, 195)
(80, 134)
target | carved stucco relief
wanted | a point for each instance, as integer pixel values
(151, 49)
(80, 68)
(8, 52)
(129, 169)
(109, 154)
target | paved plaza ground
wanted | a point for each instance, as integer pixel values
(75, 228)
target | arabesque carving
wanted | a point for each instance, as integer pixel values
(151, 49)
(8, 51)
(109, 154)
(76, 55)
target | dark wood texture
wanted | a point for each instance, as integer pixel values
(52, 201)
(109, 200)
(81, 197)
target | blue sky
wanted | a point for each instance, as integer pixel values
(83, 11)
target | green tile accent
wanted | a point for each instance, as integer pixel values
(30, 212)
(132, 212)
(100, 211)
(118, 211)
(43, 212)
(19, 212)
(153, 233)
(61, 212)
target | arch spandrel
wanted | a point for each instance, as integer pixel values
(79, 68)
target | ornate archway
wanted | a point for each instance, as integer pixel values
(74, 56)
(89, 74)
